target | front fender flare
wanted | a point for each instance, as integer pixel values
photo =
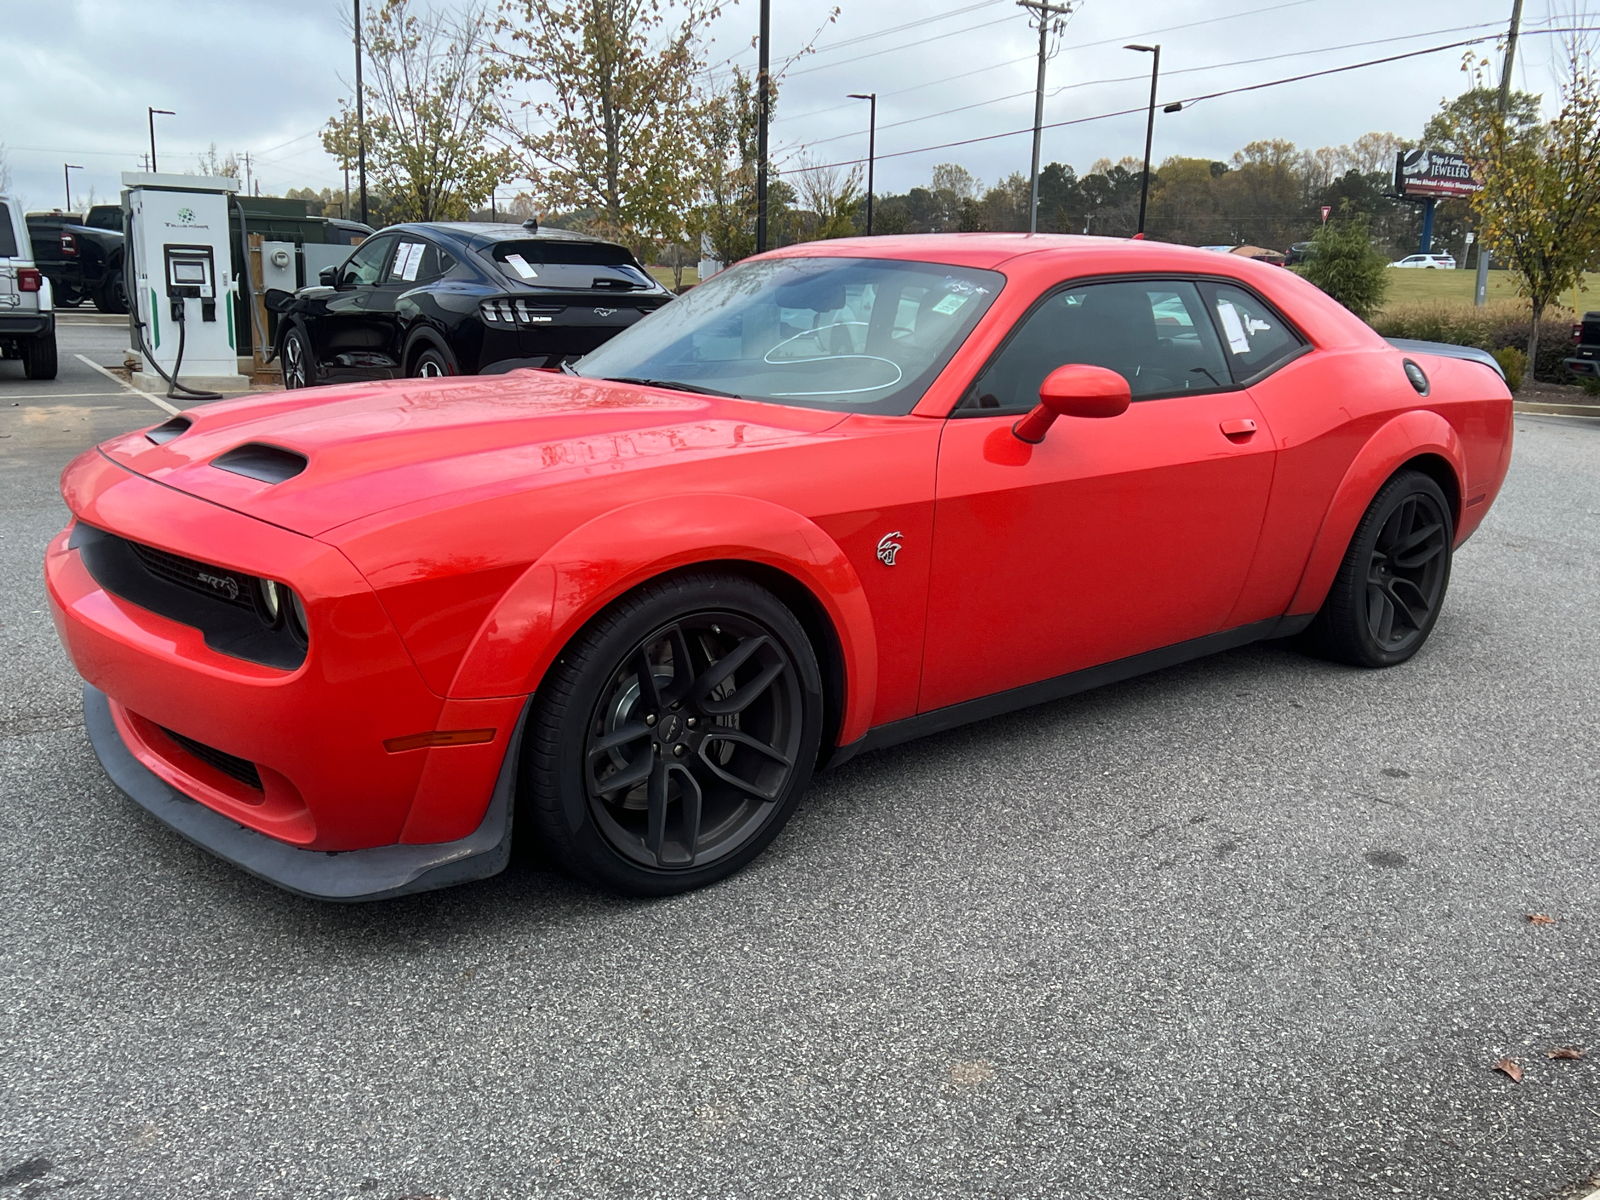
(613, 553)
(1405, 437)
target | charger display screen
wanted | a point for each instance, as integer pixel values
(188, 272)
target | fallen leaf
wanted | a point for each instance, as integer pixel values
(1540, 919)
(1508, 1066)
(1564, 1052)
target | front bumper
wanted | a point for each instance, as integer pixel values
(355, 875)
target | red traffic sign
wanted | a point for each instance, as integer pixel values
(1325, 211)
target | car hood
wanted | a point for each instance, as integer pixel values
(370, 447)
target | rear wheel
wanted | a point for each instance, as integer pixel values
(113, 296)
(431, 364)
(672, 739)
(296, 360)
(39, 356)
(1386, 598)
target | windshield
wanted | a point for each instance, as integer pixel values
(858, 333)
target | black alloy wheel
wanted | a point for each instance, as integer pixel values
(672, 739)
(430, 364)
(296, 361)
(1386, 598)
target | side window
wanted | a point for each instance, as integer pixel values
(1256, 337)
(365, 267)
(8, 233)
(418, 262)
(1154, 333)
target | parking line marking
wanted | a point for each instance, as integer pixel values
(127, 387)
(53, 395)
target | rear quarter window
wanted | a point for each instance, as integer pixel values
(1255, 338)
(8, 233)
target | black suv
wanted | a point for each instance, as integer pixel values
(460, 299)
(81, 256)
(1585, 358)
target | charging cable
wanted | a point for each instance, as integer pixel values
(173, 386)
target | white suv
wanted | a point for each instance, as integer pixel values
(1431, 262)
(27, 319)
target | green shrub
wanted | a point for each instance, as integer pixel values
(1346, 266)
(1591, 385)
(1513, 362)
(1494, 327)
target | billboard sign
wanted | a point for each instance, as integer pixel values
(1426, 174)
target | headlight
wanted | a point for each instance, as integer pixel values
(297, 616)
(271, 604)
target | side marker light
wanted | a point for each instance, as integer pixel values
(439, 737)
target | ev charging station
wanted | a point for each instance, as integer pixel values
(181, 289)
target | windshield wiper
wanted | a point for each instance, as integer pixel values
(672, 385)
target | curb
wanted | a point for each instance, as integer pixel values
(1591, 411)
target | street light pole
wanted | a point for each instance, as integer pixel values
(1046, 12)
(763, 110)
(1480, 294)
(872, 147)
(1149, 128)
(154, 112)
(66, 174)
(361, 124)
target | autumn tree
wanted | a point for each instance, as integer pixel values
(1540, 204)
(828, 199)
(620, 132)
(431, 90)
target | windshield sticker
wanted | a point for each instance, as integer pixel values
(521, 267)
(963, 287)
(1238, 340)
(949, 304)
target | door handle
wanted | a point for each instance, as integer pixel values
(1239, 429)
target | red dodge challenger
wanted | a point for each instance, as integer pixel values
(841, 495)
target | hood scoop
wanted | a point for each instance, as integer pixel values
(164, 433)
(256, 460)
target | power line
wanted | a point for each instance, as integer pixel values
(938, 37)
(1251, 87)
(1143, 76)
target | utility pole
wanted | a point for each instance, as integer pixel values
(763, 111)
(1480, 294)
(66, 173)
(872, 147)
(247, 172)
(361, 124)
(1052, 17)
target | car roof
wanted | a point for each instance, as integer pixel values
(989, 250)
(479, 234)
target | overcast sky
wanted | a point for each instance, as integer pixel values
(258, 76)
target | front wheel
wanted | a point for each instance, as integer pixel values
(1386, 597)
(296, 360)
(672, 739)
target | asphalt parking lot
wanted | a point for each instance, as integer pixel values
(1251, 927)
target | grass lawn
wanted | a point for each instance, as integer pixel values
(1456, 287)
(663, 275)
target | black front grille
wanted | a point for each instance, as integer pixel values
(230, 765)
(230, 587)
(222, 604)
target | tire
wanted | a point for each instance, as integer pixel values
(647, 780)
(39, 357)
(296, 360)
(112, 297)
(1387, 595)
(431, 364)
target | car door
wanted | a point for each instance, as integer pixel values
(343, 336)
(1111, 537)
(391, 305)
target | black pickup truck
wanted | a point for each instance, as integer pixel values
(81, 256)
(1585, 359)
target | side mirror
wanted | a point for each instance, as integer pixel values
(1075, 390)
(328, 276)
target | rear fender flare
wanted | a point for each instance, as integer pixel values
(1405, 437)
(425, 335)
(610, 555)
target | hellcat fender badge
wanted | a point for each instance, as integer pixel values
(888, 548)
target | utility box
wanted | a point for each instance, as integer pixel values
(278, 267)
(182, 290)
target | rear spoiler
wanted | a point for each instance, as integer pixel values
(1447, 350)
